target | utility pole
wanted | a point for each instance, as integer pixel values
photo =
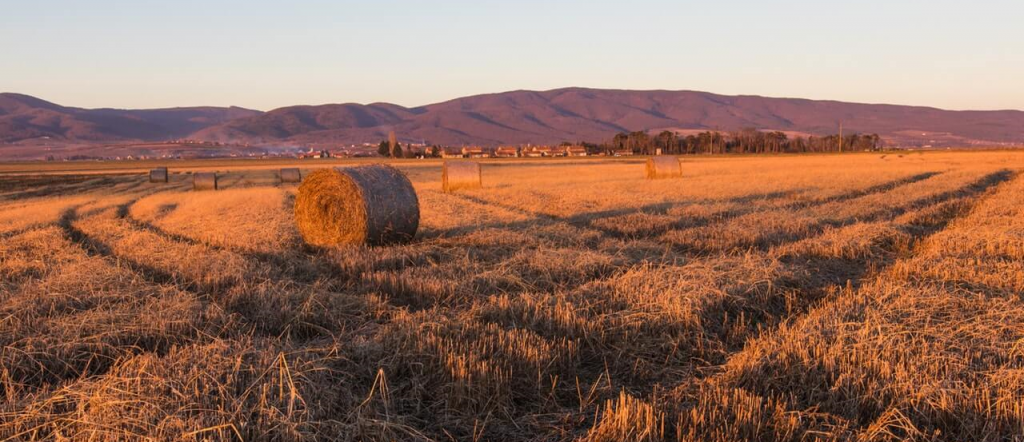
(840, 137)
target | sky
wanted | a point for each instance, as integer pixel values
(267, 54)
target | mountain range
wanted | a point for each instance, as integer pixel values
(517, 117)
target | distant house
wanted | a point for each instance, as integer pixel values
(474, 152)
(532, 152)
(506, 152)
(450, 153)
(539, 151)
(575, 151)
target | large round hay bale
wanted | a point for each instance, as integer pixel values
(158, 175)
(291, 175)
(372, 205)
(204, 181)
(664, 166)
(460, 175)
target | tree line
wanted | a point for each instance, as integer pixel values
(741, 141)
(384, 149)
(744, 141)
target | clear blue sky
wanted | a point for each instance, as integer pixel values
(265, 54)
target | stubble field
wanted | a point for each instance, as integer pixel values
(858, 297)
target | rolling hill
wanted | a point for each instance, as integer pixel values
(594, 115)
(23, 117)
(516, 117)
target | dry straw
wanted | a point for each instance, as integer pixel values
(158, 175)
(663, 166)
(460, 175)
(204, 181)
(291, 175)
(372, 205)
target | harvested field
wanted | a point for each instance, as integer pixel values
(761, 298)
(460, 175)
(663, 166)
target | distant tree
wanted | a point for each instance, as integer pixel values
(620, 140)
(688, 144)
(775, 141)
(393, 145)
(384, 149)
(640, 142)
(798, 144)
(666, 141)
(708, 142)
(592, 148)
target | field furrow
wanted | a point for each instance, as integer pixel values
(781, 298)
(835, 358)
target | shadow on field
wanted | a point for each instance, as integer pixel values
(830, 273)
(58, 185)
(589, 220)
(584, 220)
(730, 321)
(98, 249)
(831, 391)
(972, 190)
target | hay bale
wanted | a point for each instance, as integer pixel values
(204, 181)
(158, 175)
(460, 175)
(372, 205)
(291, 175)
(664, 166)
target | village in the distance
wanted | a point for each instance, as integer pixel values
(747, 141)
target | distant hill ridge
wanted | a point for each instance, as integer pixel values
(517, 117)
(23, 117)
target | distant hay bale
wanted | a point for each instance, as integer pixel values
(158, 175)
(291, 175)
(373, 205)
(204, 181)
(664, 166)
(460, 175)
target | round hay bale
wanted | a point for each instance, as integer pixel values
(204, 181)
(373, 205)
(158, 175)
(291, 175)
(460, 175)
(664, 166)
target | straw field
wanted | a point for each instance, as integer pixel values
(859, 297)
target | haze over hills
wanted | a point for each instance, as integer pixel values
(518, 117)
